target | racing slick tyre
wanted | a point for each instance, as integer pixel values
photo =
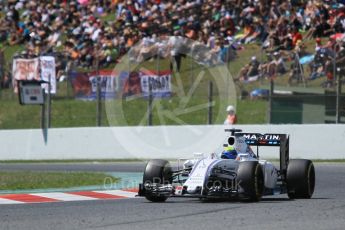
(300, 179)
(250, 179)
(158, 172)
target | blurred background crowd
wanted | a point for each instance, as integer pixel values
(107, 29)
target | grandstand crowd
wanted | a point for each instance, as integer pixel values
(107, 29)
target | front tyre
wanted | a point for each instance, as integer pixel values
(250, 179)
(300, 179)
(157, 172)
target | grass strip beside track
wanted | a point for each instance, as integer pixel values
(44, 180)
(73, 161)
(329, 161)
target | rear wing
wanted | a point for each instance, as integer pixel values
(258, 139)
(268, 139)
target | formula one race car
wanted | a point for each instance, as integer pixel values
(243, 177)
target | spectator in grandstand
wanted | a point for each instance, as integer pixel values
(250, 72)
(214, 54)
(318, 44)
(5, 82)
(296, 71)
(322, 28)
(248, 33)
(296, 36)
(274, 66)
(259, 33)
(279, 63)
(79, 24)
(175, 45)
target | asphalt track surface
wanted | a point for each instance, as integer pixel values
(326, 210)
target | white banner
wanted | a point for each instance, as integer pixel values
(48, 73)
(161, 84)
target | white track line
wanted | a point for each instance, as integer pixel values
(119, 193)
(63, 196)
(7, 201)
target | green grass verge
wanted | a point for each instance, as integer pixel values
(47, 180)
(314, 160)
(329, 161)
(71, 161)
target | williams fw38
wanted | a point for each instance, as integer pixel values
(237, 173)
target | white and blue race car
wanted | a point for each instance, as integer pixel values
(244, 177)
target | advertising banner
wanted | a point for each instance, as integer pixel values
(35, 69)
(107, 81)
(85, 85)
(160, 83)
(136, 83)
(139, 82)
(48, 73)
(81, 85)
(25, 69)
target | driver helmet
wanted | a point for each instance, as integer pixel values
(229, 153)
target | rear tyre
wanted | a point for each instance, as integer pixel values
(300, 179)
(158, 172)
(250, 180)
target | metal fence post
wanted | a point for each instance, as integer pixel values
(99, 93)
(337, 92)
(210, 98)
(67, 72)
(338, 115)
(149, 108)
(49, 102)
(44, 126)
(192, 64)
(270, 101)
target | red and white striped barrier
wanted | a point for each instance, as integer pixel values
(66, 196)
